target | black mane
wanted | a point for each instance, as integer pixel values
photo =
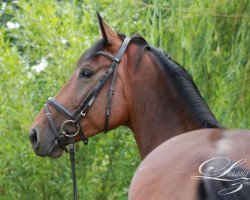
(187, 89)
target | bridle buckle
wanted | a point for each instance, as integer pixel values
(83, 113)
(117, 60)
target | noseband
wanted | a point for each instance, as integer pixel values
(74, 118)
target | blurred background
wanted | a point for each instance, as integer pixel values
(40, 43)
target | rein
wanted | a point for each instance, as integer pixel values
(74, 118)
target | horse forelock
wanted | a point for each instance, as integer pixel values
(100, 44)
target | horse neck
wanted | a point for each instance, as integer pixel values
(157, 112)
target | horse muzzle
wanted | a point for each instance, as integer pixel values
(49, 147)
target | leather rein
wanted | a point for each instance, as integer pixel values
(74, 118)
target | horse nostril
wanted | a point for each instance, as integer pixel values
(33, 137)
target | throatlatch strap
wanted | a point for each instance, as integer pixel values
(116, 61)
(108, 107)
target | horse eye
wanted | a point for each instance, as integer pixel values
(86, 73)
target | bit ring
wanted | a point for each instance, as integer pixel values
(68, 122)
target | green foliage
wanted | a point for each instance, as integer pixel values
(210, 38)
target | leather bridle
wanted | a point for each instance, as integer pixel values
(74, 119)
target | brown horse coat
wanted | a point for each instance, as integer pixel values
(165, 174)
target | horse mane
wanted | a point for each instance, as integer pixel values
(183, 82)
(187, 89)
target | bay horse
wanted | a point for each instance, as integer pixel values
(153, 95)
(121, 81)
(206, 164)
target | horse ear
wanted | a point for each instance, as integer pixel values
(108, 34)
